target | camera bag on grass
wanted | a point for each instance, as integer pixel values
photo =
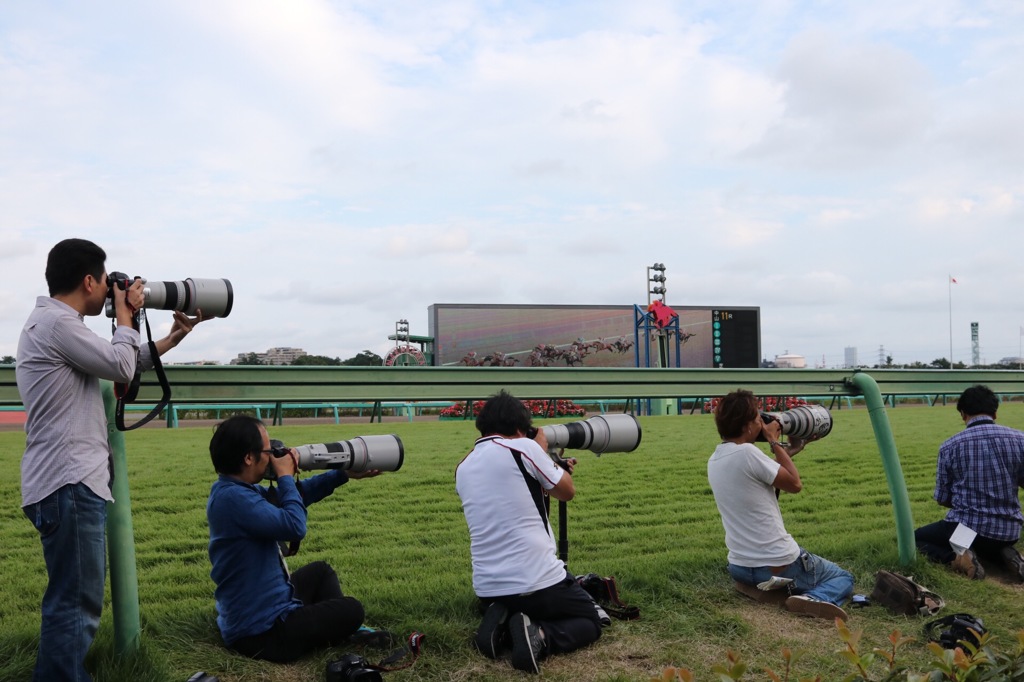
(902, 596)
(949, 631)
(606, 594)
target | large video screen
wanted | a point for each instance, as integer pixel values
(592, 336)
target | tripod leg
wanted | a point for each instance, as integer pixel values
(563, 533)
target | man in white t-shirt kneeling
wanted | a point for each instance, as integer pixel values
(745, 483)
(533, 599)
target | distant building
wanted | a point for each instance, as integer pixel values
(1010, 360)
(850, 357)
(791, 361)
(273, 356)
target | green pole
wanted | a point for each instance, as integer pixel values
(891, 463)
(124, 582)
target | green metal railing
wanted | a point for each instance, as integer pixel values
(232, 383)
(240, 384)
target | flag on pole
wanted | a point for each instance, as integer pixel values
(952, 279)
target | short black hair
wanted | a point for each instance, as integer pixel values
(503, 414)
(978, 399)
(68, 263)
(734, 412)
(233, 439)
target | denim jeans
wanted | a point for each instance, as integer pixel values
(820, 579)
(71, 523)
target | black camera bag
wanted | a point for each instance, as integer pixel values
(605, 592)
(955, 628)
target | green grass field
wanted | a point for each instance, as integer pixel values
(399, 543)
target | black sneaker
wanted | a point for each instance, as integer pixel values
(1013, 562)
(492, 636)
(527, 645)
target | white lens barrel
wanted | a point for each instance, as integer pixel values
(362, 453)
(805, 421)
(600, 433)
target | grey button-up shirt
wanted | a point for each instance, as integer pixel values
(60, 363)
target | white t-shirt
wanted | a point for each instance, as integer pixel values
(511, 543)
(741, 478)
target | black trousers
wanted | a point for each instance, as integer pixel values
(326, 618)
(564, 611)
(933, 541)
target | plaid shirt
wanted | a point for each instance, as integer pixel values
(978, 474)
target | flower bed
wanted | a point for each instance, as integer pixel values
(538, 408)
(766, 404)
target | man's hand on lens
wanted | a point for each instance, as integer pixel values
(136, 296)
(772, 431)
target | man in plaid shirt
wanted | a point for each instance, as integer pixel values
(978, 474)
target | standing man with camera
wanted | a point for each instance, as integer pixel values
(263, 610)
(533, 599)
(978, 474)
(744, 482)
(66, 469)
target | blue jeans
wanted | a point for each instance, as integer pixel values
(71, 523)
(820, 579)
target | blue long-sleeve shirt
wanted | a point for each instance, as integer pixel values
(253, 589)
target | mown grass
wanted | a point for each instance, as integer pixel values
(400, 544)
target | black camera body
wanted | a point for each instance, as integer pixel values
(120, 280)
(352, 668)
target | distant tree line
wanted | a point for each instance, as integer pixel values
(364, 358)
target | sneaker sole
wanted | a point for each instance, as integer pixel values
(489, 637)
(815, 609)
(967, 564)
(522, 653)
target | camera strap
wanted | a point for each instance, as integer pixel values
(413, 647)
(127, 393)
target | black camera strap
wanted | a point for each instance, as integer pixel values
(127, 393)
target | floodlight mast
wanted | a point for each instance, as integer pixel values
(655, 282)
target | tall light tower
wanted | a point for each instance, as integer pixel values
(656, 287)
(975, 348)
(655, 282)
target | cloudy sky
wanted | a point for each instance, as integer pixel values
(346, 164)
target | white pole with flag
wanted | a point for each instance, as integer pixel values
(952, 281)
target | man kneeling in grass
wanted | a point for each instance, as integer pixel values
(745, 483)
(533, 599)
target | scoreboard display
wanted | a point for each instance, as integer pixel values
(736, 337)
(599, 336)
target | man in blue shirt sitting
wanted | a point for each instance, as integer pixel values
(263, 610)
(977, 477)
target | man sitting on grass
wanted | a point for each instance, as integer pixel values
(533, 599)
(263, 610)
(744, 481)
(978, 474)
